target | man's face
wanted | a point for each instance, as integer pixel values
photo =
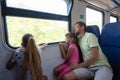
(78, 29)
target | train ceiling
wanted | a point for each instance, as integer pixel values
(112, 6)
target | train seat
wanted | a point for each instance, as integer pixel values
(110, 44)
(93, 29)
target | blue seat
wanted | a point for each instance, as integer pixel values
(94, 29)
(110, 44)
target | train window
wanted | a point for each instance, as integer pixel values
(113, 19)
(50, 6)
(25, 16)
(94, 17)
(44, 30)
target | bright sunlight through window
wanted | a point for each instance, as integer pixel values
(49, 6)
(94, 17)
(47, 20)
(47, 31)
(113, 19)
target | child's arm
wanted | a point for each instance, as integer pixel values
(42, 46)
(10, 64)
(65, 54)
(65, 46)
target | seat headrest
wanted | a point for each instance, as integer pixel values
(110, 35)
(93, 29)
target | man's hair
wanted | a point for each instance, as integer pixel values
(81, 24)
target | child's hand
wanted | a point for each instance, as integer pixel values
(61, 45)
(43, 46)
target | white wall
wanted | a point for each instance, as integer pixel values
(107, 17)
(119, 19)
(78, 9)
(4, 55)
(51, 57)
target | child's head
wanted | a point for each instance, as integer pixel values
(70, 37)
(25, 39)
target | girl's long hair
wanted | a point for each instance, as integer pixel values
(76, 42)
(31, 61)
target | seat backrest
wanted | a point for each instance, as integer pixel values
(110, 44)
(111, 34)
(94, 29)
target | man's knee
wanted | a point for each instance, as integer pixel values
(70, 76)
(104, 73)
(66, 77)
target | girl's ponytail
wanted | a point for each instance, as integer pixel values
(31, 61)
(34, 60)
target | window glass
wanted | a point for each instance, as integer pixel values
(49, 6)
(94, 17)
(47, 20)
(43, 30)
(113, 19)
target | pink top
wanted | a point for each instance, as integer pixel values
(74, 56)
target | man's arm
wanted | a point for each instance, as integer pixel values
(92, 59)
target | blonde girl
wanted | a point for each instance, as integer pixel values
(27, 58)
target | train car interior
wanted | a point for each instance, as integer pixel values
(50, 25)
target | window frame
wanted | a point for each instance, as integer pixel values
(17, 12)
(112, 15)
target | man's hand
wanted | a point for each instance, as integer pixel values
(74, 66)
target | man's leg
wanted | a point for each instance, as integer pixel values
(79, 74)
(70, 76)
(103, 73)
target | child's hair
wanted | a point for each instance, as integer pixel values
(31, 61)
(76, 42)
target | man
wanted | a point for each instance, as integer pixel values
(95, 65)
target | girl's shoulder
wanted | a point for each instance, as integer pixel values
(19, 50)
(72, 45)
(17, 57)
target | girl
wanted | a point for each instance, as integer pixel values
(27, 58)
(71, 55)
